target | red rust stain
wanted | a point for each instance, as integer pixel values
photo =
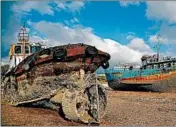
(73, 51)
(43, 59)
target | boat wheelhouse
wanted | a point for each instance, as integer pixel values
(19, 51)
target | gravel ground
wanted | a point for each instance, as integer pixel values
(140, 108)
(20, 116)
(124, 108)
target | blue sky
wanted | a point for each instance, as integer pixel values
(125, 29)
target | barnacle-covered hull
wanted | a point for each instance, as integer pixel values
(61, 75)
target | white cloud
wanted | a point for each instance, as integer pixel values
(161, 10)
(157, 10)
(127, 3)
(74, 6)
(154, 39)
(138, 44)
(130, 36)
(58, 34)
(45, 7)
(168, 31)
(35, 39)
(23, 8)
(72, 22)
(60, 5)
(121, 53)
(171, 51)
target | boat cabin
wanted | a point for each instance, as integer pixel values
(19, 51)
(152, 62)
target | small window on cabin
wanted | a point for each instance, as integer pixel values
(159, 66)
(30, 49)
(169, 65)
(152, 66)
(17, 49)
(27, 49)
(36, 49)
(33, 49)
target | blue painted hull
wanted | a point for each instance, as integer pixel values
(153, 82)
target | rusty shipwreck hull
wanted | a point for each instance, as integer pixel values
(61, 75)
(64, 59)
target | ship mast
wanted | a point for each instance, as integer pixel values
(158, 45)
(23, 37)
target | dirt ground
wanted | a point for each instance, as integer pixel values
(124, 108)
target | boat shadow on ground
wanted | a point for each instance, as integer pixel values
(141, 88)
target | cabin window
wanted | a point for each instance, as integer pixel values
(155, 66)
(159, 66)
(17, 49)
(169, 65)
(36, 49)
(131, 68)
(144, 62)
(30, 49)
(152, 66)
(27, 49)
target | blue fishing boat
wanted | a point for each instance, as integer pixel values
(155, 71)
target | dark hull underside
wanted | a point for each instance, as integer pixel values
(168, 85)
